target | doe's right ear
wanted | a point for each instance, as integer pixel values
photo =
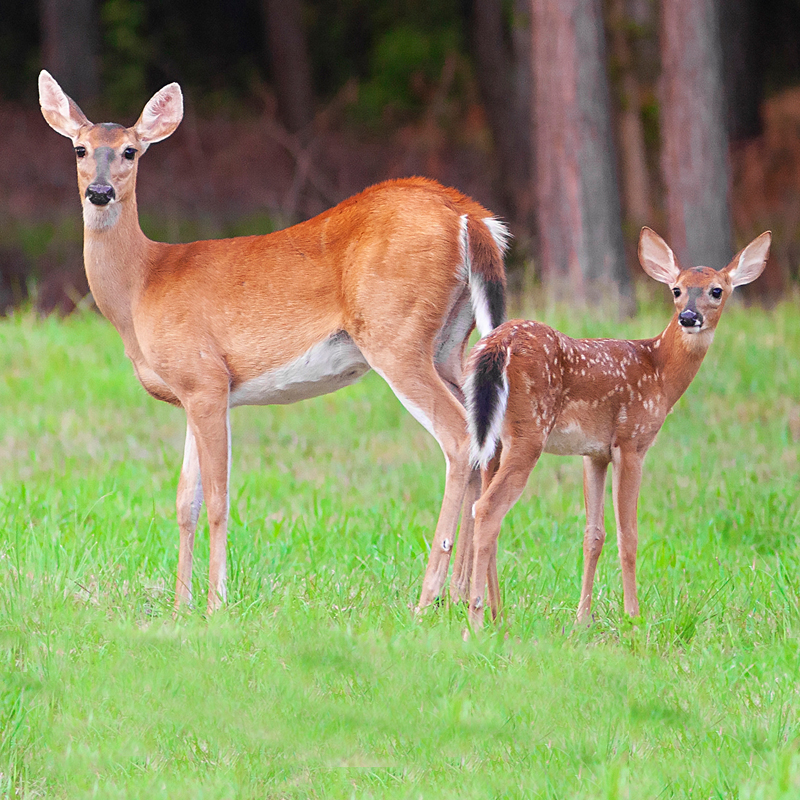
(60, 111)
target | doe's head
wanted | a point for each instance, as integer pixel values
(700, 292)
(107, 154)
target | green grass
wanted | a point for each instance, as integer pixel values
(316, 681)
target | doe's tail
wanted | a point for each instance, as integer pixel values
(484, 242)
(486, 390)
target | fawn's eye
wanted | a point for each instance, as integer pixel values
(716, 293)
(129, 153)
(676, 291)
(80, 151)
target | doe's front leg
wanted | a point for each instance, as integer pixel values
(188, 502)
(209, 421)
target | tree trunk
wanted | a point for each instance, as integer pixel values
(577, 198)
(633, 164)
(290, 62)
(69, 46)
(503, 67)
(521, 92)
(694, 142)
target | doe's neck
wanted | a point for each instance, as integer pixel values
(116, 255)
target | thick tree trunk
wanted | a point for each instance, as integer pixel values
(577, 198)
(503, 67)
(633, 155)
(694, 142)
(522, 71)
(290, 62)
(69, 46)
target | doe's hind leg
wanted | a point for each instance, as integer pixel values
(427, 397)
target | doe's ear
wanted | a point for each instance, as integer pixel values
(60, 111)
(162, 114)
(749, 263)
(656, 257)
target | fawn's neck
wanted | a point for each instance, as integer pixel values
(677, 356)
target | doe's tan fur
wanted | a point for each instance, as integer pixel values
(390, 279)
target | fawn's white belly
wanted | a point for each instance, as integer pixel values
(571, 439)
(327, 366)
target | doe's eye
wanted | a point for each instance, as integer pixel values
(716, 293)
(129, 153)
(80, 151)
(676, 291)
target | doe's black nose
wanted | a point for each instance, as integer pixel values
(99, 193)
(689, 318)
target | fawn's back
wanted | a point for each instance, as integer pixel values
(584, 395)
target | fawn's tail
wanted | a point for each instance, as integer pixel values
(486, 390)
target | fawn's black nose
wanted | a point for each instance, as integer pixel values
(99, 193)
(690, 319)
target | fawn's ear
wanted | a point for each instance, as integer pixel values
(749, 263)
(60, 111)
(162, 114)
(656, 257)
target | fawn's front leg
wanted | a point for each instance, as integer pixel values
(626, 480)
(594, 486)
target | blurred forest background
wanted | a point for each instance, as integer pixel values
(578, 121)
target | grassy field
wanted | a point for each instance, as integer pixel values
(316, 681)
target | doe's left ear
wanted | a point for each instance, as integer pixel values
(749, 263)
(162, 114)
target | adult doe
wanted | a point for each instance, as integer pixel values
(392, 279)
(531, 389)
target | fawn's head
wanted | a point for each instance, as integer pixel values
(107, 153)
(700, 292)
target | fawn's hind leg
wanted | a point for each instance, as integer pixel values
(516, 462)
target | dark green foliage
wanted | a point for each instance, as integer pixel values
(19, 42)
(405, 66)
(346, 36)
(128, 52)
(396, 49)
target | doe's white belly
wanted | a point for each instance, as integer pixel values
(325, 367)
